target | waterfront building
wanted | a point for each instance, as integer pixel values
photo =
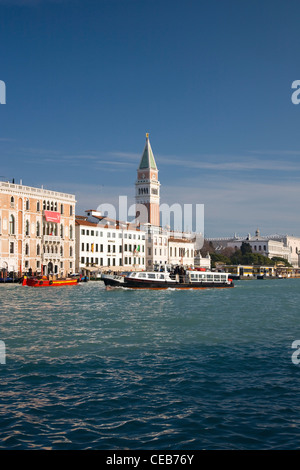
(282, 246)
(37, 230)
(181, 249)
(202, 261)
(156, 245)
(106, 244)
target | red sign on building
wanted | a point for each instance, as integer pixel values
(52, 216)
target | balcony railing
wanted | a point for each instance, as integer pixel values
(51, 239)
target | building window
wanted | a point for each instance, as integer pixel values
(101, 248)
(82, 260)
(26, 249)
(61, 208)
(12, 202)
(11, 225)
(71, 232)
(38, 206)
(61, 230)
(11, 248)
(82, 246)
(44, 205)
(82, 232)
(37, 229)
(38, 250)
(71, 252)
(71, 210)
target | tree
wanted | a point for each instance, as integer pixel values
(246, 248)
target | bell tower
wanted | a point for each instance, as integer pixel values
(147, 186)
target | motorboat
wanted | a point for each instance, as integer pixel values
(165, 279)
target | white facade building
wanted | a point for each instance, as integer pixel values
(264, 246)
(181, 250)
(104, 244)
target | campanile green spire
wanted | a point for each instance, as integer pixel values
(147, 160)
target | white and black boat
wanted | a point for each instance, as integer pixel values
(176, 279)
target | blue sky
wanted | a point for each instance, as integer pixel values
(209, 80)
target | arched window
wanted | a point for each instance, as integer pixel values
(38, 250)
(61, 230)
(37, 229)
(38, 206)
(71, 232)
(44, 205)
(12, 202)
(27, 228)
(11, 225)
(61, 251)
(26, 249)
(48, 205)
(27, 205)
(52, 205)
(71, 251)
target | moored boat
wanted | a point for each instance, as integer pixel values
(166, 280)
(45, 281)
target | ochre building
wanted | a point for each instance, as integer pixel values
(37, 230)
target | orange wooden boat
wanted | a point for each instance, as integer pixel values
(44, 281)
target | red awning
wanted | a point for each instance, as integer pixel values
(52, 216)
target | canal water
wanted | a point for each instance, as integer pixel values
(87, 368)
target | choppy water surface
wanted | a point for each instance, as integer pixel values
(88, 368)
